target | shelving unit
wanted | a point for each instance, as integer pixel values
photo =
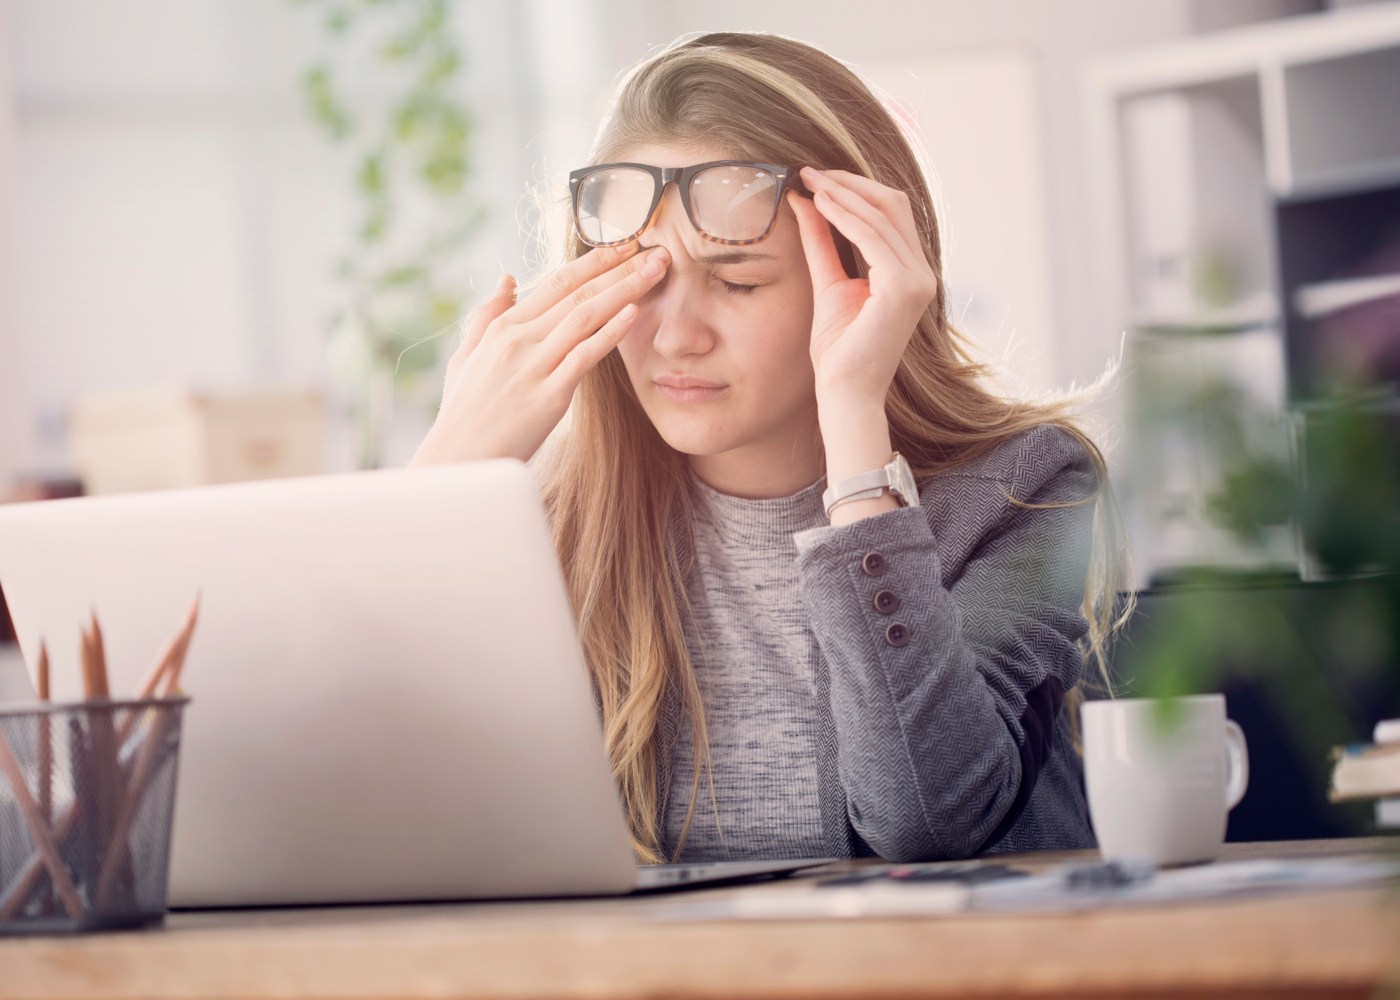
(1332, 242)
(1248, 192)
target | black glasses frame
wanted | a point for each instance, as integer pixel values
(683, 176)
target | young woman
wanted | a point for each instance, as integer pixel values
(833, 592)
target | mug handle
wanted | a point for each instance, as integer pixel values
(1237, 759)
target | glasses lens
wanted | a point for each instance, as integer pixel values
(735, 202)
(611, 205)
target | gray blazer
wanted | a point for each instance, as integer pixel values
(945, 736)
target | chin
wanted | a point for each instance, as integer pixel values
(694, 437)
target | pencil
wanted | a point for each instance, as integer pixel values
(39, 830)
(10, 903)
(181, 650)
(85, 661)
(43, 671)
(116, 865)
(165, 657)
(148, 762)
(99, 657)
(45, 739)
(174, 651)
(157, 671)
(109, 780)
(45, 744)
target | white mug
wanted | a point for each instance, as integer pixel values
(1161, 784)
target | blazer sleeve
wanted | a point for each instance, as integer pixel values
(947, 673)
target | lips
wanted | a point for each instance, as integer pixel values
(688, 388)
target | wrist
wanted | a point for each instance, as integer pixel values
(423, 456)
(855, 438)
(433, 450)
(842, 398)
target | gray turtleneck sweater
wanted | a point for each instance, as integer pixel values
(891, 686)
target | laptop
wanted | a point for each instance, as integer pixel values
(389, 700)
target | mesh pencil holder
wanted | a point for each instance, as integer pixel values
(87, 791)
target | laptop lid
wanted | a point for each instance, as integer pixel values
(389, 699)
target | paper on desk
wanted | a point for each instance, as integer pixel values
(1198, 883)
(803, 899)
(798, 899)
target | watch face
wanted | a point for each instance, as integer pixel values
(902, 481)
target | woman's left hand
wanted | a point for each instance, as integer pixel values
(861, 326)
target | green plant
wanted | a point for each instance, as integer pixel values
(409, 147)
(1310, 647)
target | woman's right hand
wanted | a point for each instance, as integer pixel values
(512, 378)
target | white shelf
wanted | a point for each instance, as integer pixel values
(1251, 50)
(1327, 84)
(1327, 297)
(1253, 311)
(1339, 180)
(1342, 121)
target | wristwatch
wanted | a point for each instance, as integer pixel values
(896, 477)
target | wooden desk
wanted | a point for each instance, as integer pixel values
(1341, 943)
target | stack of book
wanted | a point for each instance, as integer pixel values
(1371, 771)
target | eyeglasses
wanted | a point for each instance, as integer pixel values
(727, 201)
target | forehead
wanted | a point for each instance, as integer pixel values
(668, 155)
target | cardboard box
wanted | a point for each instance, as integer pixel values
(163, 439)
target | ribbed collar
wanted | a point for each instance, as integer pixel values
(771, 521)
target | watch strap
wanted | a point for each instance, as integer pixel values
(869, 494)
(864, 486)
(894, 477)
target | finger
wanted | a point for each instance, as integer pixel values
(873, 217)
(818, 244)
(891, 205)
(872, 244)
(502, 298)
(896, 204)
(591, 350)
(590, 315)
(580, 297)
(570, 277)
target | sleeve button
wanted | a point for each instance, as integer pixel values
(873, 564)
(886, 603)
(897, 635)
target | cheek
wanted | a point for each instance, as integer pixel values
(779, 335)
(633, 347)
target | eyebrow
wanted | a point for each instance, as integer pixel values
(734, 257)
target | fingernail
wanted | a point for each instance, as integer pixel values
(627, 249)
(655, 264)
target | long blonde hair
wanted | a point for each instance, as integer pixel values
(617, 493)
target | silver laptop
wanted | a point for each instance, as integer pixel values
(389, 700)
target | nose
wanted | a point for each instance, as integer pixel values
(673, 313)
(680, 328)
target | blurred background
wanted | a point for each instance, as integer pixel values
(238, 196)
(232, 232)
(185, 181)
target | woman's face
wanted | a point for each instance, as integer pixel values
(718, 354)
